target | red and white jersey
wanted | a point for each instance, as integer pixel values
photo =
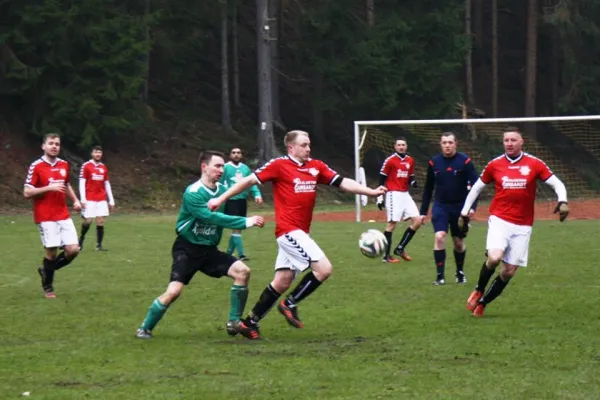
(50, 206)
(516, 182)
(294, 190)
(95, 174)
(398, 171)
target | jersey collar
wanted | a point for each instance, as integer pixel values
(94, 162)
(399, 156)
(44, 159)
(514, 160)
(294, 160)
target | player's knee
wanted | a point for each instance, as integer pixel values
(322, 269)
(390, 227)
(493, 260)
(415, 223)
(283, 280)
(440, 238)
(99, 221)
(173, 292)
(71, 251)
(240, 272)
(459, 244)
(508, 271)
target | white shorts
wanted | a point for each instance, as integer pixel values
(58, 233)
(400, 206)
(512, 239)
(95, 209)
(296, 251)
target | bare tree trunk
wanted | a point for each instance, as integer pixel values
(479, 23)
(146, 87)
(225, 106)
(370, 12)
(275, 24)
(469, 57)
(235, 55)
(266, 144)
(494, 58)
(554, 71)
(531, 69)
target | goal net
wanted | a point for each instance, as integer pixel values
(569, 145)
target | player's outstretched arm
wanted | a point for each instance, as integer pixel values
(562, 207)
(238, 188)
(350, 185)
(201, 212)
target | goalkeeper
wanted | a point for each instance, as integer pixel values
(451, 174)
(515, 176)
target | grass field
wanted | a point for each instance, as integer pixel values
(374, 331)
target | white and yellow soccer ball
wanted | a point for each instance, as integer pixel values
(372, 243)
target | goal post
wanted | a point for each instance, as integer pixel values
(570, 145)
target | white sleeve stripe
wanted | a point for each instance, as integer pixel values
(28, 185)
(258, 179)
(333, 179)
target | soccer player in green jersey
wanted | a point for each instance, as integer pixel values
(195, 249)
(235, 170)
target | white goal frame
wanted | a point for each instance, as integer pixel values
(358, 140)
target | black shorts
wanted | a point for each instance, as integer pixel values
(189, 258)
(238, 207)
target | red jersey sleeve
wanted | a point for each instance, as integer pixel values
(269, 171)
(411, 169)
(33, 177)
(386, 166)
(543, 171)
(487, 175)
(326, 174)
(84, 173)
(106, 174)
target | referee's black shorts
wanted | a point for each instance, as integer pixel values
(237, 207)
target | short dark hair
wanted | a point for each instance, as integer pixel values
(400, 138)
(512, 129)
(50, 136)
(449, 133)
(97, 147)
(206, 156)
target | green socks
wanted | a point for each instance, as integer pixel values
(155, 313)
(231, 245)
(239, 296)
(235, 243)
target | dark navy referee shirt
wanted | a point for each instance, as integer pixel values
(452, 178)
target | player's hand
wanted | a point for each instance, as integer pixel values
(471, 213)
(257, 220)
(57, 187)
(111, 207)
(258, 200)
(380, 202)
(83, 204)
(379, 191)
(77, 206)
(463, 224)
(414, 183)
(214, 204)
(423, 217)
(562, 208)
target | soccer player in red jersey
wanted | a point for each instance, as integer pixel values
(295, 178)
(95, 190)
(397, 174)
(47, 184)
(514, 175)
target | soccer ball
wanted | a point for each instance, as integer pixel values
(372, 243)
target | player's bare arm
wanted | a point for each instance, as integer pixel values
(350, 185)
(238, 188)
(31, 192)
(562, 207)
(467, 211)
(71, 195)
